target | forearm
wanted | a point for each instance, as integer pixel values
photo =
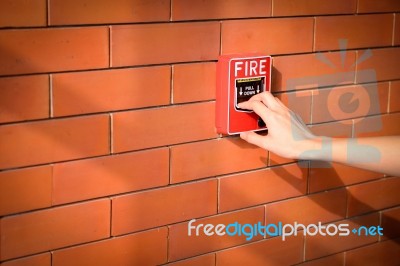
(380, 154)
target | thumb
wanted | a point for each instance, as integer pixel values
(255, 139)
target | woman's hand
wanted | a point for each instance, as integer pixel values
(288, 136)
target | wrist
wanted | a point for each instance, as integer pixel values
(316, 148)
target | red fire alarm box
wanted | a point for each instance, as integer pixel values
(239, 77)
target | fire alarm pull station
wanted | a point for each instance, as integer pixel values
(239, 77)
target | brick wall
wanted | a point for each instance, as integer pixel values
(107, 139)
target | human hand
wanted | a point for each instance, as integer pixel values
(288, 136)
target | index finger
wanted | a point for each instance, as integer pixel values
(267, 98)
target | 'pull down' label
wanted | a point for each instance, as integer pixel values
(246, 88)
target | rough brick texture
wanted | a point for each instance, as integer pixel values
(108, 146)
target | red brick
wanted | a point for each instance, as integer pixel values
(272, 251)
(102, 12)
(86, 179)
(37, 260)
(54, 140)
(382, 65)
(205, 260)
(318, 246)
(163, 126)
(145, 248)
(164, 43)
(394, 105)
(212, 9)
(110, 90)
(383, 125)
(181, 245)
(359, 31)
(23, 13)
(275, 159)
(54, 228)
(50, 50)
(194, 82)
(397, 30)
(24, 98)
(382, 253)
(312, 71)
(372, 6)
(332, 260)
(373, 196)
(25, 189)
(390, 222)
(249, 189)
(272, 36)
(214, 157)
(341, 103)
(340, 129)
(163, 206)
(322, 207)
(324, 176)
(299, 102)
(312, 7)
